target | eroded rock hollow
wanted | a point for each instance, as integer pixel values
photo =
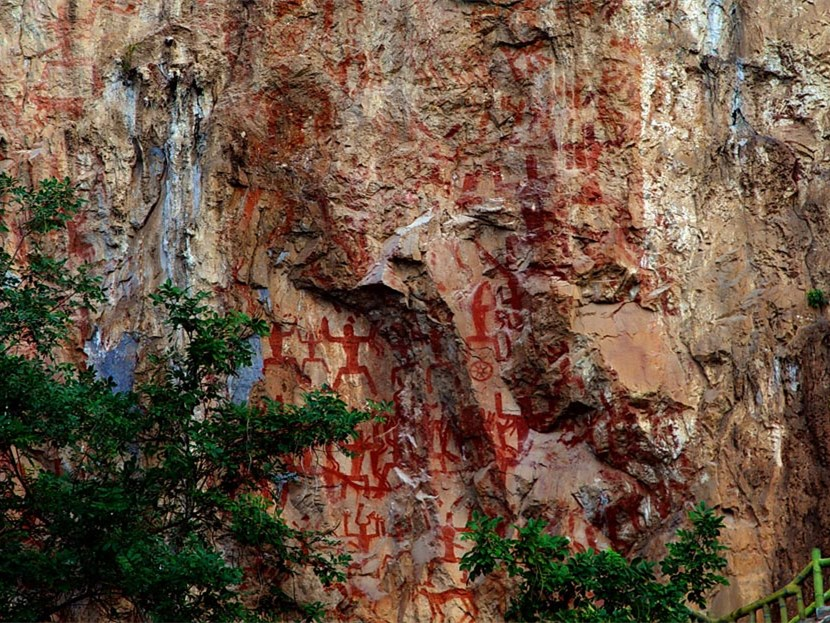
(570, 239)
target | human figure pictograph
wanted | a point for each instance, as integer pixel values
(351, 342)
(483, 310)
(483, 304)
(448, 535)
(312, 341)
(276, 340)
(367, 531)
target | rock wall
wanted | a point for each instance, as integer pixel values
(570, 239)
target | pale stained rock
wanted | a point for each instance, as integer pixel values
(634, 345)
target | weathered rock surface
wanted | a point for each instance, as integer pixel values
(571, 239)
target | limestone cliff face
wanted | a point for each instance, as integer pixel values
(570, 239)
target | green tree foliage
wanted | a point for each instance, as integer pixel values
(37, 292)
(555, 584)
(154, 504)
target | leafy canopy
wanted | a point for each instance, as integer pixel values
(555, 584)
(158, 503)
(37, 292)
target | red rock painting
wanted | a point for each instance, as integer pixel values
(350, 343)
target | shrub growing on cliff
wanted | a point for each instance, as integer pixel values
(816, 298)
(599, 587)
(154, 504)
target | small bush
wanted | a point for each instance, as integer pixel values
(556, 585)
(816, 298)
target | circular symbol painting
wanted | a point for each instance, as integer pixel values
(481, 370)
